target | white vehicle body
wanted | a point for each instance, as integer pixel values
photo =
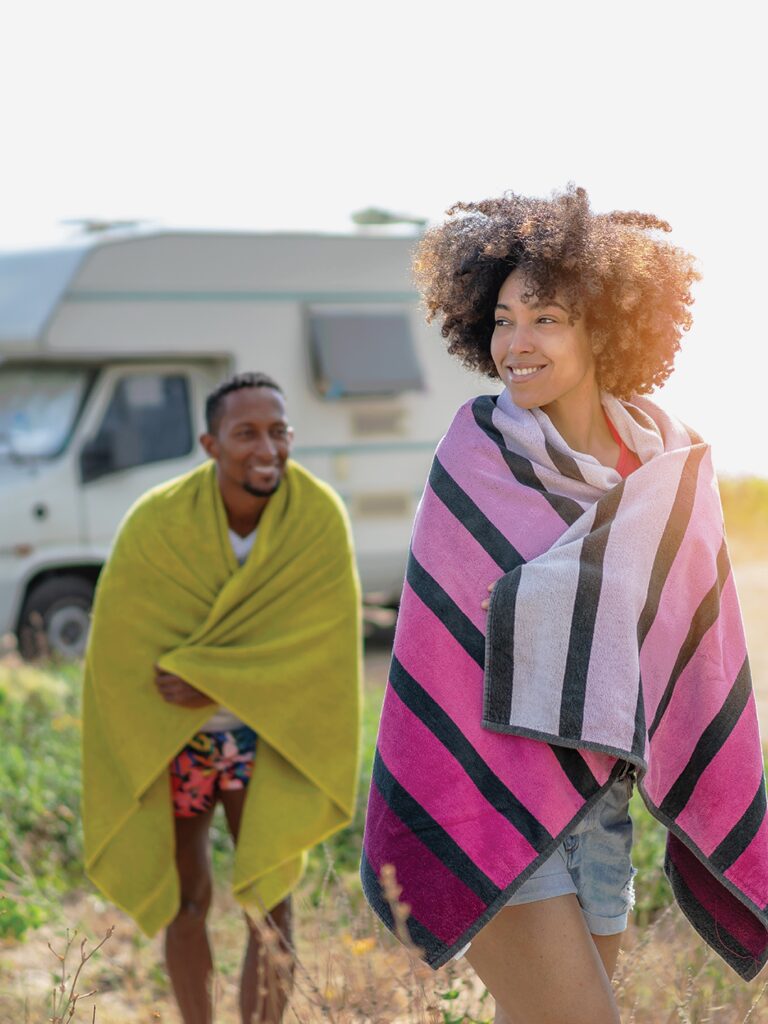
(108, 349)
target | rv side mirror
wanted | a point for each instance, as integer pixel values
(97, 458)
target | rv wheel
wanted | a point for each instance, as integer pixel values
(56, 618)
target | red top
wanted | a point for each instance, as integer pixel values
(628, 460)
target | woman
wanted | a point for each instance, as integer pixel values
(611, 644)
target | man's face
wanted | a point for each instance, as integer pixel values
(252, 442)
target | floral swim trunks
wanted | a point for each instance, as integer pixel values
(210, 763)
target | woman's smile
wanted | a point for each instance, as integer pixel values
(524, 374)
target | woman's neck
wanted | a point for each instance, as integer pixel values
(580, 420)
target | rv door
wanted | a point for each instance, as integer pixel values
(143, 430)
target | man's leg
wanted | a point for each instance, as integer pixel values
(268, 964)
(187, 952)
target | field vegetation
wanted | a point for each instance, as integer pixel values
(350, 969)
(745, 508)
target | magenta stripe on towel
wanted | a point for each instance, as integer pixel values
(540, 527)
(748, 870)
(708, 819)
(528, 768)
(453, 545)
(724, 908)
(421, 874)
(693, 705)
(601, 765)
(500, 857)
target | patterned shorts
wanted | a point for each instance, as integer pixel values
(210, 763)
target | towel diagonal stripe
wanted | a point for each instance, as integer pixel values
(614, 607)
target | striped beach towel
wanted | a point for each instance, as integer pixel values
(614, 634)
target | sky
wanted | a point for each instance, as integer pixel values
(292, 116)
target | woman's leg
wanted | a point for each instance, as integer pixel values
(267, 975)
(187, 952)
(608, 947)
(542, 966)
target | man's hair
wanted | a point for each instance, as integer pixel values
(633, 288)
(214, 403)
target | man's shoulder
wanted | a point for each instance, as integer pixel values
(318, 495)
(164, 497)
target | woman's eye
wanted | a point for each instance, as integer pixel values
(501, 322)
(547, 320)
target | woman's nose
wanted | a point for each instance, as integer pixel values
(521, 340)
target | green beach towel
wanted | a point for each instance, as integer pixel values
(276, 641)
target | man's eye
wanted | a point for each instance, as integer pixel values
(547, 320)
(501, 322)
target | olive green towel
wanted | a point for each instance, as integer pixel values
(277, 641)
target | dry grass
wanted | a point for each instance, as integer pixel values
(351, 971)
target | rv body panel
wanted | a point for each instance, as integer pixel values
(157, 320)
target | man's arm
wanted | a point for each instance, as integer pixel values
(177, 691)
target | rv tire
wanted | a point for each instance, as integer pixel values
(55, 618)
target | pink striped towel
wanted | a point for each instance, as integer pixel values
(614, 634)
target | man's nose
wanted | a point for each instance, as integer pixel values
(265, 447)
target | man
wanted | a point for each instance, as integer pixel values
(223, 665)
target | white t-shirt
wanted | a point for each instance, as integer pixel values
(223, 720)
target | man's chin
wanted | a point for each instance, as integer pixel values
(260, 492)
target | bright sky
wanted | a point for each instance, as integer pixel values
(268, 115)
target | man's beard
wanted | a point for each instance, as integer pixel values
(257, 492)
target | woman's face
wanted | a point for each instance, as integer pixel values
(540, 357)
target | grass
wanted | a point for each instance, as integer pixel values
(40, 842)
(745, 509)
(352, 972)
(351, 969)
(41, 853)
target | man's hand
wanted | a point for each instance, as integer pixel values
(177, 691)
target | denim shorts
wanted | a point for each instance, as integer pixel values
(593, 863)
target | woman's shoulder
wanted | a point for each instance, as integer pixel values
(472, 416)
(649, 426)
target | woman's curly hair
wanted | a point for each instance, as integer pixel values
(632, 287)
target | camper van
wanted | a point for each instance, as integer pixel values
(109, 346)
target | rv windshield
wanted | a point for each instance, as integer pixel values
(38, 409)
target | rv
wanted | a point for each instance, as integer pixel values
(109, 346)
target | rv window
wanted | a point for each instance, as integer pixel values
(39, 407)
(356, 353)
(147, 420)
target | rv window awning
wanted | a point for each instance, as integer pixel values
(363, 353)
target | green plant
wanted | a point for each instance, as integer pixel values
(344, 848)
(652, 890)
(40, 841)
